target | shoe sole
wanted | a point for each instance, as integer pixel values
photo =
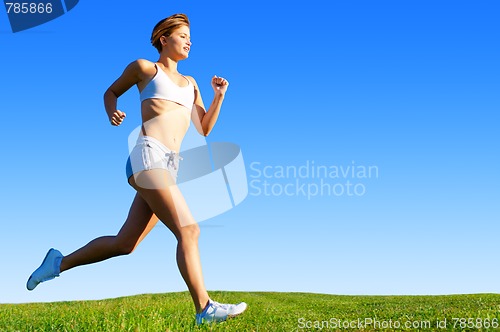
(236, 315)
(43, 262)
(228, 317)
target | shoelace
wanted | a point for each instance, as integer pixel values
(220, 305)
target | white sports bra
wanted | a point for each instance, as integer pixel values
(162, 87)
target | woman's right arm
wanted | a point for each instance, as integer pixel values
(132, 75)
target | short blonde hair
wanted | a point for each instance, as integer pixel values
(165, 28)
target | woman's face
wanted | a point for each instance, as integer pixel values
(178, 44)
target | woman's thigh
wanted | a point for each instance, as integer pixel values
(140, 221)
(166, 201)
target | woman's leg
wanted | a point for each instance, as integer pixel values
(169, 205)
(139, 223)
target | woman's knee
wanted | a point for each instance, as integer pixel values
(190, 232)
(124, 246)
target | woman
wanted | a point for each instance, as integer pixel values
(169, 101)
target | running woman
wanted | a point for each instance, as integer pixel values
(169, 102)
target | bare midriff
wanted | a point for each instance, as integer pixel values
(166, 121)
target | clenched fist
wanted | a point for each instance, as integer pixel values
(219, 84)
(117, 118)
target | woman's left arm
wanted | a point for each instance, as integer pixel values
(204, 121)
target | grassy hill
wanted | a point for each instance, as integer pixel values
(266, 312)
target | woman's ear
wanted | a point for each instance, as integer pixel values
(163, 40)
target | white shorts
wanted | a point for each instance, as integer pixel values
(149, 153)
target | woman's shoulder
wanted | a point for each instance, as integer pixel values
(143, 64)
(191, 78)
(141, 68)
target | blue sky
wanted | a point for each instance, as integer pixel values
(408, 87)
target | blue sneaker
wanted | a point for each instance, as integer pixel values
(218, 312)
(49, 269)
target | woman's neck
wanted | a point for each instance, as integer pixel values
(169, 64)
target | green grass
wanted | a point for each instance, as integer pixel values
(266, 312)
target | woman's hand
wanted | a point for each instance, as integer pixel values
(117, 118)
(219, 84)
